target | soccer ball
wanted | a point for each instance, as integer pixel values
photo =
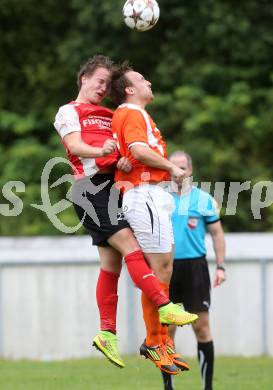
(140, 15)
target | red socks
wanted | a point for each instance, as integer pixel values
(107, 299)
(144, 278)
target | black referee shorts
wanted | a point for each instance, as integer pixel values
(190, 284)
(98, 205)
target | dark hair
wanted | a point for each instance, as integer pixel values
(120, 82)
(93, 63)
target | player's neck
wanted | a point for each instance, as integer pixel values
(137, 102)
(82, 98)
(184, 189)
(179, 189)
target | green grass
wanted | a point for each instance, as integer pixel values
(98, 374)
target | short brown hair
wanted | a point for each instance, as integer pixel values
(120, 82)
(93, 63)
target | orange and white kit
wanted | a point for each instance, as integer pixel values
(146, 205)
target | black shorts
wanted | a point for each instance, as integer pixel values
(190, 284)
(98, 205)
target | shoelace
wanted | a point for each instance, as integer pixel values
(112, 346)
(181, 307)
(170, 347)
(161, 349)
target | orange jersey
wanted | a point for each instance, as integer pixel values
(132, 125)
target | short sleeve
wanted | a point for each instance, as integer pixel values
(213, 212)
(67, 120)
(135, 129)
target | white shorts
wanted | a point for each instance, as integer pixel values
(148, 209)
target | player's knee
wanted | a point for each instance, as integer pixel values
(111, 266)
(165, 262)
(163, 274)
(202, 332)
(125, 242)
(169, 269)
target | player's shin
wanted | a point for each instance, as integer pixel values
(151, 319)
(144, 278)
(107, 299)
(164, 328)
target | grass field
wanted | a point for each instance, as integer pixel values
(99, 374)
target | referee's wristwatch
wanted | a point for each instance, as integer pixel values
(221, 267)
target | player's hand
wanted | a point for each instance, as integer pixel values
(177, 173)
(109, 147)
(124, 164)
(219, 278)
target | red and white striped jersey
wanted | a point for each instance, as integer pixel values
(94, 122)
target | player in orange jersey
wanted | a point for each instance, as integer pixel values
(146, 205)
(85, 128)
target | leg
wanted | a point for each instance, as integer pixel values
(107, 285)
(205, 349)
(155, 332)
(144, 278)
(107, 299)
(154, 295)
(161, 264)
(172, 331)
(148, 213)
(124, 242)
(167, 380)
(141, 274)
(110, 259)
(164, 328)
(177, 289)
(154, 234)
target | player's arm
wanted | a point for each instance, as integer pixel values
(149, 157)
(78, 147)
(135, 136)
(68, 126)
(218, 239)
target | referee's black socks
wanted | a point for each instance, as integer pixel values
(206, 361)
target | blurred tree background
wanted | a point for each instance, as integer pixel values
(210, 63)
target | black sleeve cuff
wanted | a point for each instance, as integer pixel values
(210, 222)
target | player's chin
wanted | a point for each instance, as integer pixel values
(98, 98)
(151, 98)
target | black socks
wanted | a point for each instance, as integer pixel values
(206, 361)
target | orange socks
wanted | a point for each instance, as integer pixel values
(155, 332)
(151, 319)
(164, 328)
